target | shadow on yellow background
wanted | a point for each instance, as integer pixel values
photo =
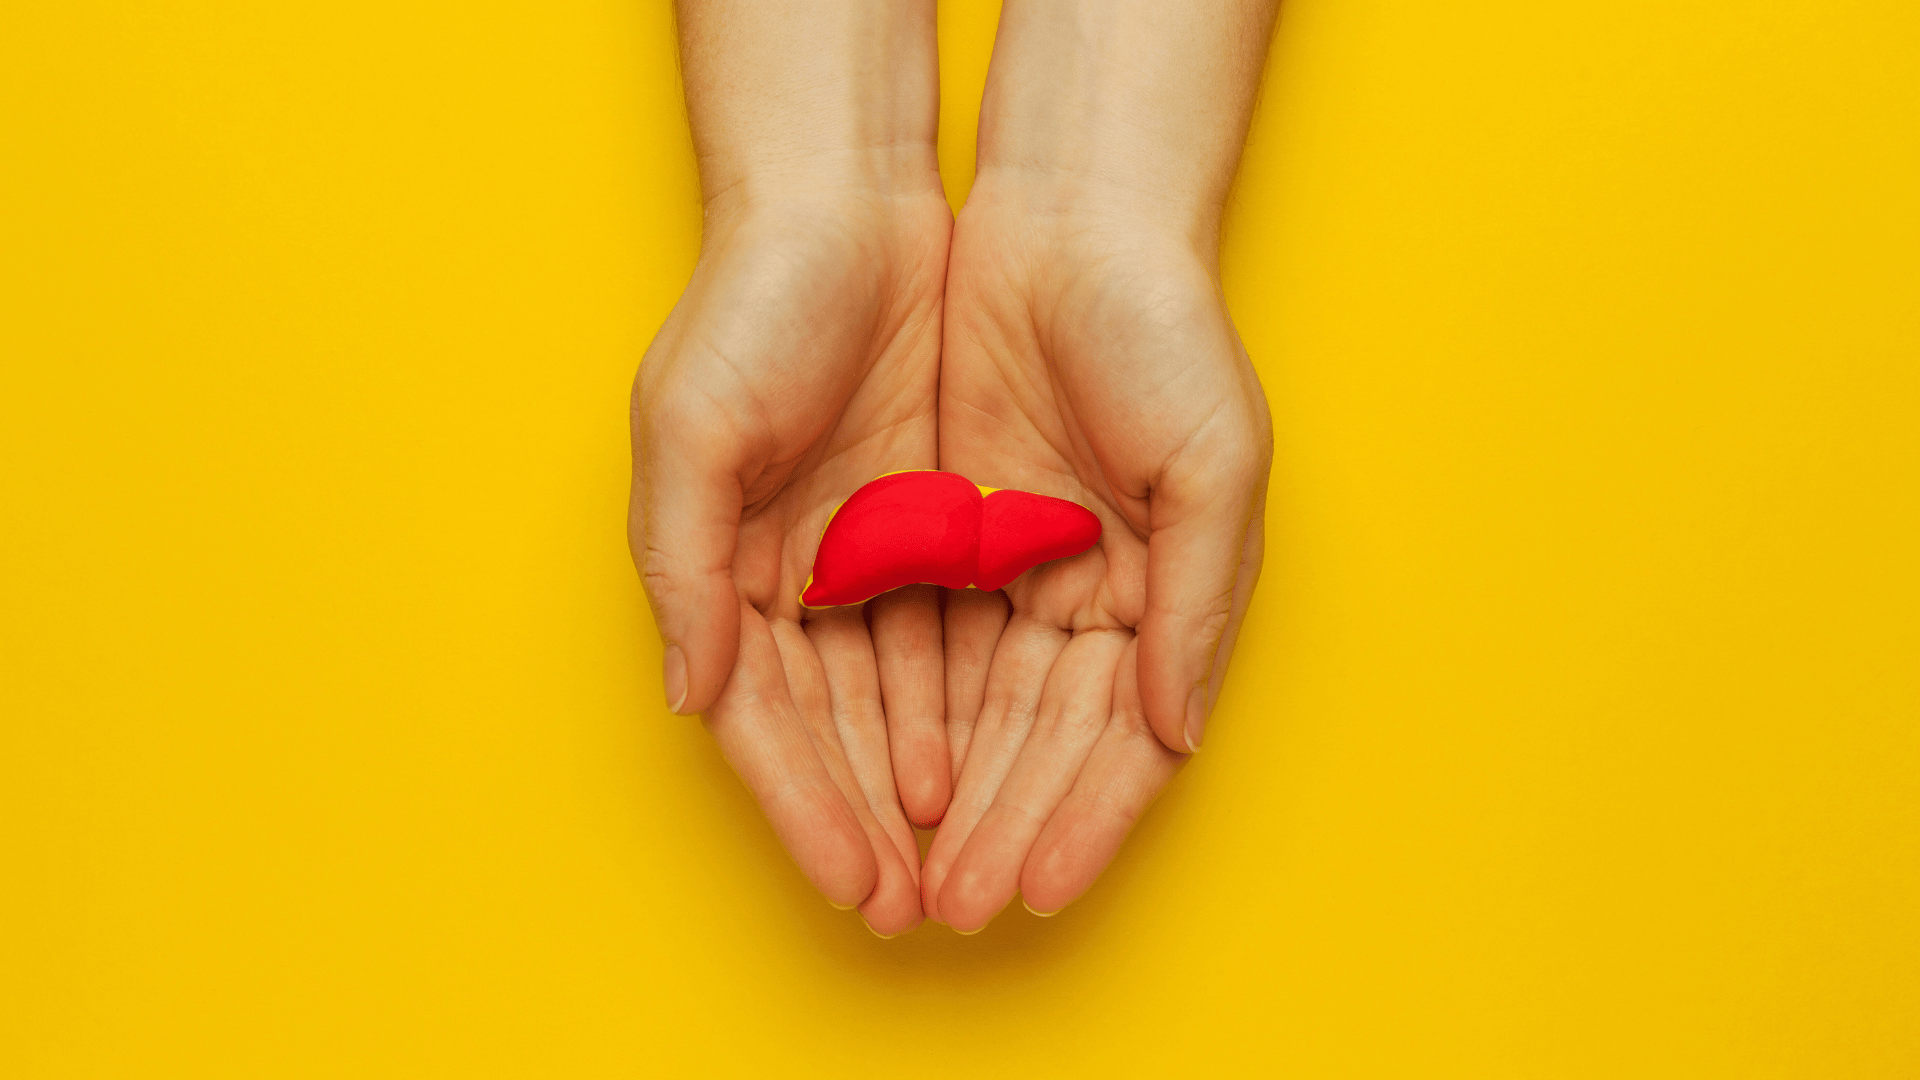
(1574, 732)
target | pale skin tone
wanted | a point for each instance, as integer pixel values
(1066, 336)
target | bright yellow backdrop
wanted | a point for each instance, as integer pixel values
(1575, 730)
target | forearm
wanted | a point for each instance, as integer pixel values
(794, 98)
(1140, 105)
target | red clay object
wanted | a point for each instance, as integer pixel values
(1020, 530)
(937, 528)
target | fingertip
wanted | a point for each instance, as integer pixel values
(1053, 877)
(924, 793)
(844, 875)
(1173, 700)
(1085, 833)
(891, 920)
(894, 907)
(829, 845)
(971, 897)
(698, 662)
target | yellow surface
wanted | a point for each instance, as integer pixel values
(1576, 726)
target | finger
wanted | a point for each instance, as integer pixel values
(1075, 709)
(907, 648)
(1203, 557)
(839, 638)
(894, 904)
(974, 621)
(1021, 660)
(683, 523)
(1126, 769)
(762, 733)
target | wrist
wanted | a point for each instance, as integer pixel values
(1132, 106)
(854, 214)
(871, 184)
(1087, 206)
(830, 99)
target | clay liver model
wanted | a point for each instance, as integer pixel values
(939, 528)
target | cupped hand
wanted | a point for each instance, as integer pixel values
(1089, 356)
(801, 362)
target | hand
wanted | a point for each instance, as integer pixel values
(1093, 361)
(801, 362)
(1089, 356)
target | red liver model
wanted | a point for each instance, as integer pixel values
(937, 528)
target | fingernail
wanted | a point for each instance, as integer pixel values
(970, 933)
(1042, 914)
(676, 678)
(1196, 718)
(876, 933)
(840, 907)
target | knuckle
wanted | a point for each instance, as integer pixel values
(1214, 624)
(657, 573)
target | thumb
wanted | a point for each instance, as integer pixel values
(682, 524)
(1201, 567)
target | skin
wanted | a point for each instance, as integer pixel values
(1067, 336)
(802, 361)
(1088, 355)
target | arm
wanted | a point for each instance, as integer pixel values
(1089, 356)
(801, 361)
(807, 102)
(1140, 108)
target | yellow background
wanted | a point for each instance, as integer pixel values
(1575, 730)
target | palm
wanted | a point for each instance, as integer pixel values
(801, 362)
(1091, 364)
